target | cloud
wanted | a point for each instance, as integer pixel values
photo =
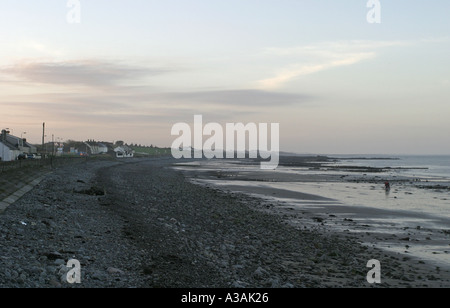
(147, 108)
(310, 59)
(116, 100)
(334, 48)
(244, 97)
(299, 70)
(91, 73)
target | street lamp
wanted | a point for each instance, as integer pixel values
(21, 137)
(44, 146)
(53, 143)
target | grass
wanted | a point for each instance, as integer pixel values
(151, 151)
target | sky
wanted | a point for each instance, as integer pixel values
(130, 70)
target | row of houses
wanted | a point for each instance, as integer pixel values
(98, 148)
(12, 147)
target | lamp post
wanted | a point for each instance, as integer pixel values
(21, 137)
(45, 146)
(43, 136)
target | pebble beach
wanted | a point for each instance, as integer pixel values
(139, 223)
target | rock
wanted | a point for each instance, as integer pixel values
(51, 269)
(63, 269)
(63, 278)
(20, 231)
(20, 280)
(54, 283)
(239, 284)
(98, 276)
(275, 283)
(93, 191)
(114, 271)
(288, 286)
(260, 273)
(53, 255)
(36, 270)
(14, 274)
(7, 274)
(60, 262)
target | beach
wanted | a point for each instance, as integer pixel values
(411, 218)
(146, 223)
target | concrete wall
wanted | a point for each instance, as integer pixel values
(7, 154)
(4, 152)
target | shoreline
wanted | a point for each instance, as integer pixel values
(408, 233)
(138, 223)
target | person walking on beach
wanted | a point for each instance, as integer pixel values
(387, 186)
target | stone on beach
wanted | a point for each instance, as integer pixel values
(160, 230)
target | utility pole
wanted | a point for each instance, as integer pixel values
(43, 136)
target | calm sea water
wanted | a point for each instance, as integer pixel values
(424, 166)
(355, 188)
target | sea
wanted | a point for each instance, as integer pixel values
(434, 167)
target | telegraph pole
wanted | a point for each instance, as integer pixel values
(43, 136)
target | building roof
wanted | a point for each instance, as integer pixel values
(96, 143)
(13, 140)
(123, 148)
(9, 145)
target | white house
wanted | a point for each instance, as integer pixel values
(102, 148)
(8, 151)
(11, 147)
(124, 151)
(96, 147)
(21, 144)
